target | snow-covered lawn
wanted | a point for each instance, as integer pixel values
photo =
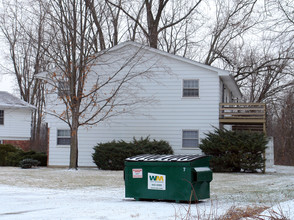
(47, 193)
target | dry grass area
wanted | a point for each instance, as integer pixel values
(236, 213)
(264, 189)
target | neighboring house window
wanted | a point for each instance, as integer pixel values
(63, 137)
(1, 117)
(63, 88)
(191, 88)
(190, 139)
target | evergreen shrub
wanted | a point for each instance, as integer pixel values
(28, 163)
(11, 156)
(5, 151)
(235, 151)
(41, 157)
(111, 155)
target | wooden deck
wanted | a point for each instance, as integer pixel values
(243, 116)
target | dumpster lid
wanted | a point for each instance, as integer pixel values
(201, 169)
(165, 158)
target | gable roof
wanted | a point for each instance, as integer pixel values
(9, 101)
(226, 77)
(173, 56)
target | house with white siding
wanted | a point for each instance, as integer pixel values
(15, 120)
(181, 101)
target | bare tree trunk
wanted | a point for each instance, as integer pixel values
(154, 13)
(91, 6)
(73, 163)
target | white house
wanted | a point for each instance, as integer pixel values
(15, 120)
(181, 103)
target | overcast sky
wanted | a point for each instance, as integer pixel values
(7, 82)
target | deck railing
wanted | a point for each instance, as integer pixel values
(249, 112)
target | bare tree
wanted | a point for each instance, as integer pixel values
(181, 39)
(23, 33)
(263, 72)
(283, 20)
(233, 19)
(246, 42)
(86, 87)
(283, 128)
(150, 23)
(106, 21)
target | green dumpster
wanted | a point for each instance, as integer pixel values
(168, 177)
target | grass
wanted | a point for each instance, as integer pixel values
(242, 195)
(233, 213)
(236, 213)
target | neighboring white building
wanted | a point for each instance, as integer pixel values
(183, 105)
(15, 120)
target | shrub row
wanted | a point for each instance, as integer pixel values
(12, 156)
(111, 155)
(235, 151)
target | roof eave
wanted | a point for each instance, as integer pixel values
(230, 82)
(18, 106)
(173, 56)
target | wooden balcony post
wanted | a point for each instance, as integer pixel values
(244, 116)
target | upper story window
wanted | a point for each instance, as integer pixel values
(63, 88)
(191, 88)
(190, 139)
(1, 117)
(63, 137)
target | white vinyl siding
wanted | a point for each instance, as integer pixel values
(63, 137)
(164, 118)
(16, 124)
(190, 139)
(190, 88)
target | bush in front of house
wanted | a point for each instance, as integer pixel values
(235, 151)
(11, 156)
(41, 157)
(111, 155)
(14, 158)
(28, 163)
(5, 151)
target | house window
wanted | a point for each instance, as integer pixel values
(63, 137)
(63, 88)
(190, 139)
(1, 117)
(191, 88)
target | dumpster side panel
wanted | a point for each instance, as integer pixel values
(202, 190)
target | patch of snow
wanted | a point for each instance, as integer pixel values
(280, 211)
(47, 193)
(283, 169)
(94, 203)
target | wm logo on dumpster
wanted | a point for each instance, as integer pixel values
(156, 178)
(156, 181)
